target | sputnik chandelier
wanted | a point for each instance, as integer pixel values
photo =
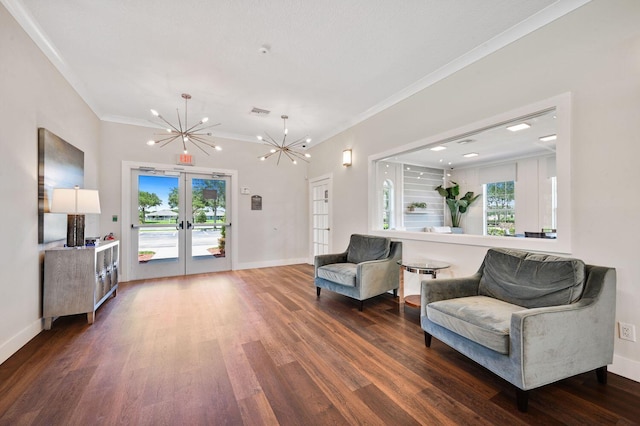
(183, 132)
(281, 148)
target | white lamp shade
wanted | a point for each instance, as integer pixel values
(346, 157)
(75, 201)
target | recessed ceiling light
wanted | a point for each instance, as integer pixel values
(549, 138)
(438, 148)
(471, 154)
(517, 127)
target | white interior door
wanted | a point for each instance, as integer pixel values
(320, 192)
(179, 224)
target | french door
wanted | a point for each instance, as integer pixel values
(179, 223)
(319, 190)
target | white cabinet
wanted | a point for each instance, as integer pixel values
(78, 280)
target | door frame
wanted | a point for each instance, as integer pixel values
(312, 181)
(125, 207)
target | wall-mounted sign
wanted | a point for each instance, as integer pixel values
(209, 194)
(256, 202)
(185, 160)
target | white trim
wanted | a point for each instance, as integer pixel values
(625, 367)
(13, 345)
(125, 193)
(562, 244)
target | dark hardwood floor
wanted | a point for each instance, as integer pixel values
(257, 347)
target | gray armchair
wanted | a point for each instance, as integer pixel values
(366, 269)
(532, 319)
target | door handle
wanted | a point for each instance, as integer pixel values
(180, 225)
(189, 225)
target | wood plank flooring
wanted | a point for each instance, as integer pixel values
(257, 347)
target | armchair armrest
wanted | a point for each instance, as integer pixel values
(379, 275)
(447, 288)
(327, 259)
(556, 342)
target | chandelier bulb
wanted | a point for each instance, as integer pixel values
(295, 162)
(272, 151)
(259, 137)
(185, 151)
(308, 140)
(169, 130)
(307, 155)
(154, 112)
(263, 158)
(151, 143)
(217, 148)
(286, 131)
(204, 120)
(186, 139)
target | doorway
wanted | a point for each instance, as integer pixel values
(179, 223)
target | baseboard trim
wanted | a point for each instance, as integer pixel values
(625, 367)
(14, 344)
(269, 263)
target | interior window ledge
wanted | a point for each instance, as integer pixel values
(532, 244)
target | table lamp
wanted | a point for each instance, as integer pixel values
(75, 202)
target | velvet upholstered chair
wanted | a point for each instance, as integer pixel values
(366, 269)
(530, 318)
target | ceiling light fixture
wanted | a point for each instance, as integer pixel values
(470, 155)
(548, 138)
(517, 127)
(283, 147)
(182, 131)
(438, 148)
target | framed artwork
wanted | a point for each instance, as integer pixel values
(60, 165)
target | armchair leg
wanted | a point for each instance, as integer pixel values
(522, 398)
(318, 291)
(361, 307)
(602, 374)
(395, 292)
(427, 339)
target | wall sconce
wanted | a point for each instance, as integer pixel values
(346, 157)
(75, 202)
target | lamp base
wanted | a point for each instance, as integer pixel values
(75, 230)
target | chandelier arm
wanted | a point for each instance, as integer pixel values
(194, 129)
(202, 141)
(198, 146)
(287, 153)
(273, 140)
(297, 142)
(168, 142)
(279, 156)
(184, 144)
(180, 122)
(273, 144)
(300, 156)
(169, 124)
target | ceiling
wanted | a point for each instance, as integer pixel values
(329, 64)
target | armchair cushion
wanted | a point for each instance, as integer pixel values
(363, 248)
(481, 319)
(341, 273)
(531, 280)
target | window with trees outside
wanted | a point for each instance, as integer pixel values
(387, 204)
(500, 213)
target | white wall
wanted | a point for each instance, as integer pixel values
(594, 53)
(275, 235)
(32, 94)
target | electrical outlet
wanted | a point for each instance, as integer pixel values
(627, 331)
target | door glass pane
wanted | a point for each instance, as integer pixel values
(157, 205)
(208, 216)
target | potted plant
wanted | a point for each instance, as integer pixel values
(416, 205)
(457, 207)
